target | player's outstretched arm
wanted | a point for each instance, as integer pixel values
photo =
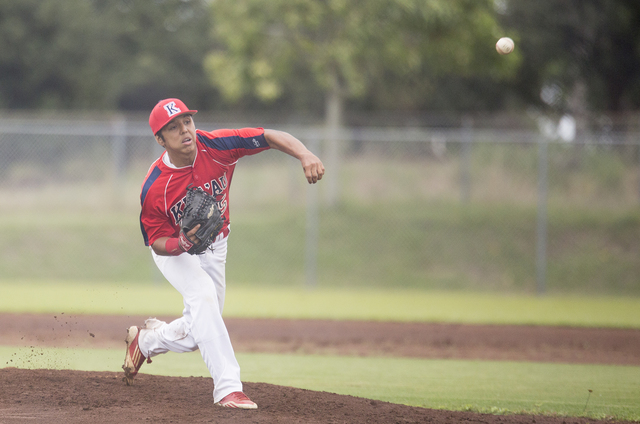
(285, 142)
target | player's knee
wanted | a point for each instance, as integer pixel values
(203, 300)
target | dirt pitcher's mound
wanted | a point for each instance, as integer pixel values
(49, 396)
(62, 396)
(391, 339)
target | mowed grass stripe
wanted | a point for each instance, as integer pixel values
(333, 303)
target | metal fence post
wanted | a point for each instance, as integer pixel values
(118, 149)
(333, 129)
(541, 224)
(465, 165)
(311, 231)
(638, 153)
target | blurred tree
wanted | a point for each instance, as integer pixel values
(43, 45)
(389, 52)
(392, 50)
(308, 55)
(577, 54)
(161, 45)
(102, 54)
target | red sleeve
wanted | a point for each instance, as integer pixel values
(154, 223)
(235, 143)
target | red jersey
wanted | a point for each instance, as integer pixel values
(165, 187)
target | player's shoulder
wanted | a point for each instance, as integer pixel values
(230, 139)
(157, 172)
(231, 132)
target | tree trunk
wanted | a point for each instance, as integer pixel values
(577, 104)
(333, 120)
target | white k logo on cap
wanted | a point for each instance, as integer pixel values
(171, 108)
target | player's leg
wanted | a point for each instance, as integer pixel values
(202, 313)
(158, 337)
(213, 263)
(153, 338)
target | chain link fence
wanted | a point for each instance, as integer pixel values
(528, 205)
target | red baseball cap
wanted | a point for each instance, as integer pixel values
(165, 111)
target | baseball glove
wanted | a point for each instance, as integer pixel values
(200, 208)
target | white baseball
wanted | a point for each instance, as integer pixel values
(505, 45)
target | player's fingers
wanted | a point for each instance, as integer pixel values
(192, 234)
(314, 173)
(308, 173)
(320, 172)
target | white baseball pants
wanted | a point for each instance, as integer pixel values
(200, 279)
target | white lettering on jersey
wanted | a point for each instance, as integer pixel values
(177, 210)
(217, 186)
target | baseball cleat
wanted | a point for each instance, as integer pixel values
(133, 358)
(237, 400)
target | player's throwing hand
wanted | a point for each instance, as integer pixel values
(285, 142)
(313, 168)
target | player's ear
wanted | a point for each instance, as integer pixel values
(160, 139)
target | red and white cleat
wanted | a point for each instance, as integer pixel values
(237, 400)
(133, 358)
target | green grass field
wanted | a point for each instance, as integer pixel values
(400, 246)
(431, 246)
(330, 303)
(481, 386)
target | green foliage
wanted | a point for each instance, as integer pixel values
(592, 42)
(42, 47)
(380, 54)
(100, 54)
(268, 49)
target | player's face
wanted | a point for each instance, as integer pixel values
(179, 136)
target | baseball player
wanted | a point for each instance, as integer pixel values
(196, 158)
